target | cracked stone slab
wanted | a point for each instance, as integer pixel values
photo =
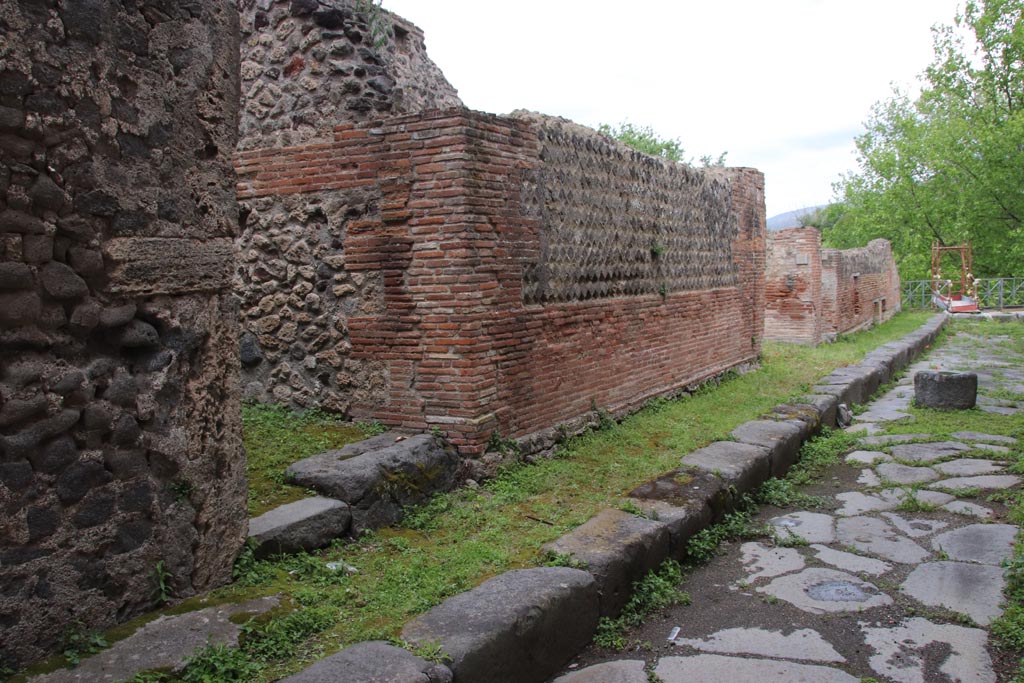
(818, 590)
(904, 474)
(767, 562)
(850, 562)
(804, 644)
(967, 467)
(876, 537)
(981, 436)
(621, 671)
(740, 670)
(867, 457)
(899, 652)
(813, 527)
(979, 543)
(915, 528)
(928, 452)
(857, 503)
(886, 439)
(164, 643)
(972, 589)
(986, 482)
(963, 507)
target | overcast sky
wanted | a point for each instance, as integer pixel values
(781, 85)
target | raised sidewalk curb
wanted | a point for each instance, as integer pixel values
(523, 625)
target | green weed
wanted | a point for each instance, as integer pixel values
(657, 590)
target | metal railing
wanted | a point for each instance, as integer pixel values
(995, 292)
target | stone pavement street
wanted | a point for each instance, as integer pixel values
(896, 577)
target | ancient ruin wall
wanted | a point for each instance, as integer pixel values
(309, 65)
(482, 316)
(815, 294)
(120, 443)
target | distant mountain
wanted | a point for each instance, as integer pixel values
(791, 219)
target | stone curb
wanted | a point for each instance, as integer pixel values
(522, 626)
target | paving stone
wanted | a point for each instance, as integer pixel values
(876, 537)
(813, 527)
(981, 436)
(863, 428)
(621, 671)
(963, 507)
(915, 528)
(900, 652)
(933, 497)
(714, 668)
(619, 549)
(165, 642)
(303, 525)
(984, 482)
(373, 662)
(896, 473)
(999, 410)
(992, 448)
(972, 589)
(738, 464)
(850, 562)
(855, 503)
(869, 478)
(520, 625)
(888, 411)
(967, 467)
(805, 645)
(818, 590)
(682, 521)
(867, 457)
(927, 452)
(886, 439)
(768, 562)
(979, 543)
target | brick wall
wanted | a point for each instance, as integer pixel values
(814, 294)
(487, 319)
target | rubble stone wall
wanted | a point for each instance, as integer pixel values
(815, 294)
(120, 444)
(458, 288)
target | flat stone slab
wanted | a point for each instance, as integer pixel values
(867, 457)
(900, 652)
(714, 668)
(876, 537)
(928, 452)
(896, 473)
(303, 525)
(619, 549)
(767, 562)
(963, 507)
(915, 528)
(979, 543)
(986, 482)
(849, 562)
(972, 589)
(967, 467)
(621, 671)
(804, 644)
(813, 527)
(739, 464)
(164, 643)
(981, 436)
(520, 625)
(856, 503)
(818, 590)
(886, 439)
(869, 478)
(379, 484)
(992, 448)
(932, 497)
(373, 662)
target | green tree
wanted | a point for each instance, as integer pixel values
(644, 139)
(948, 165)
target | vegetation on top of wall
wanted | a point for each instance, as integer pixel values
(644, 139)
(947, 165)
